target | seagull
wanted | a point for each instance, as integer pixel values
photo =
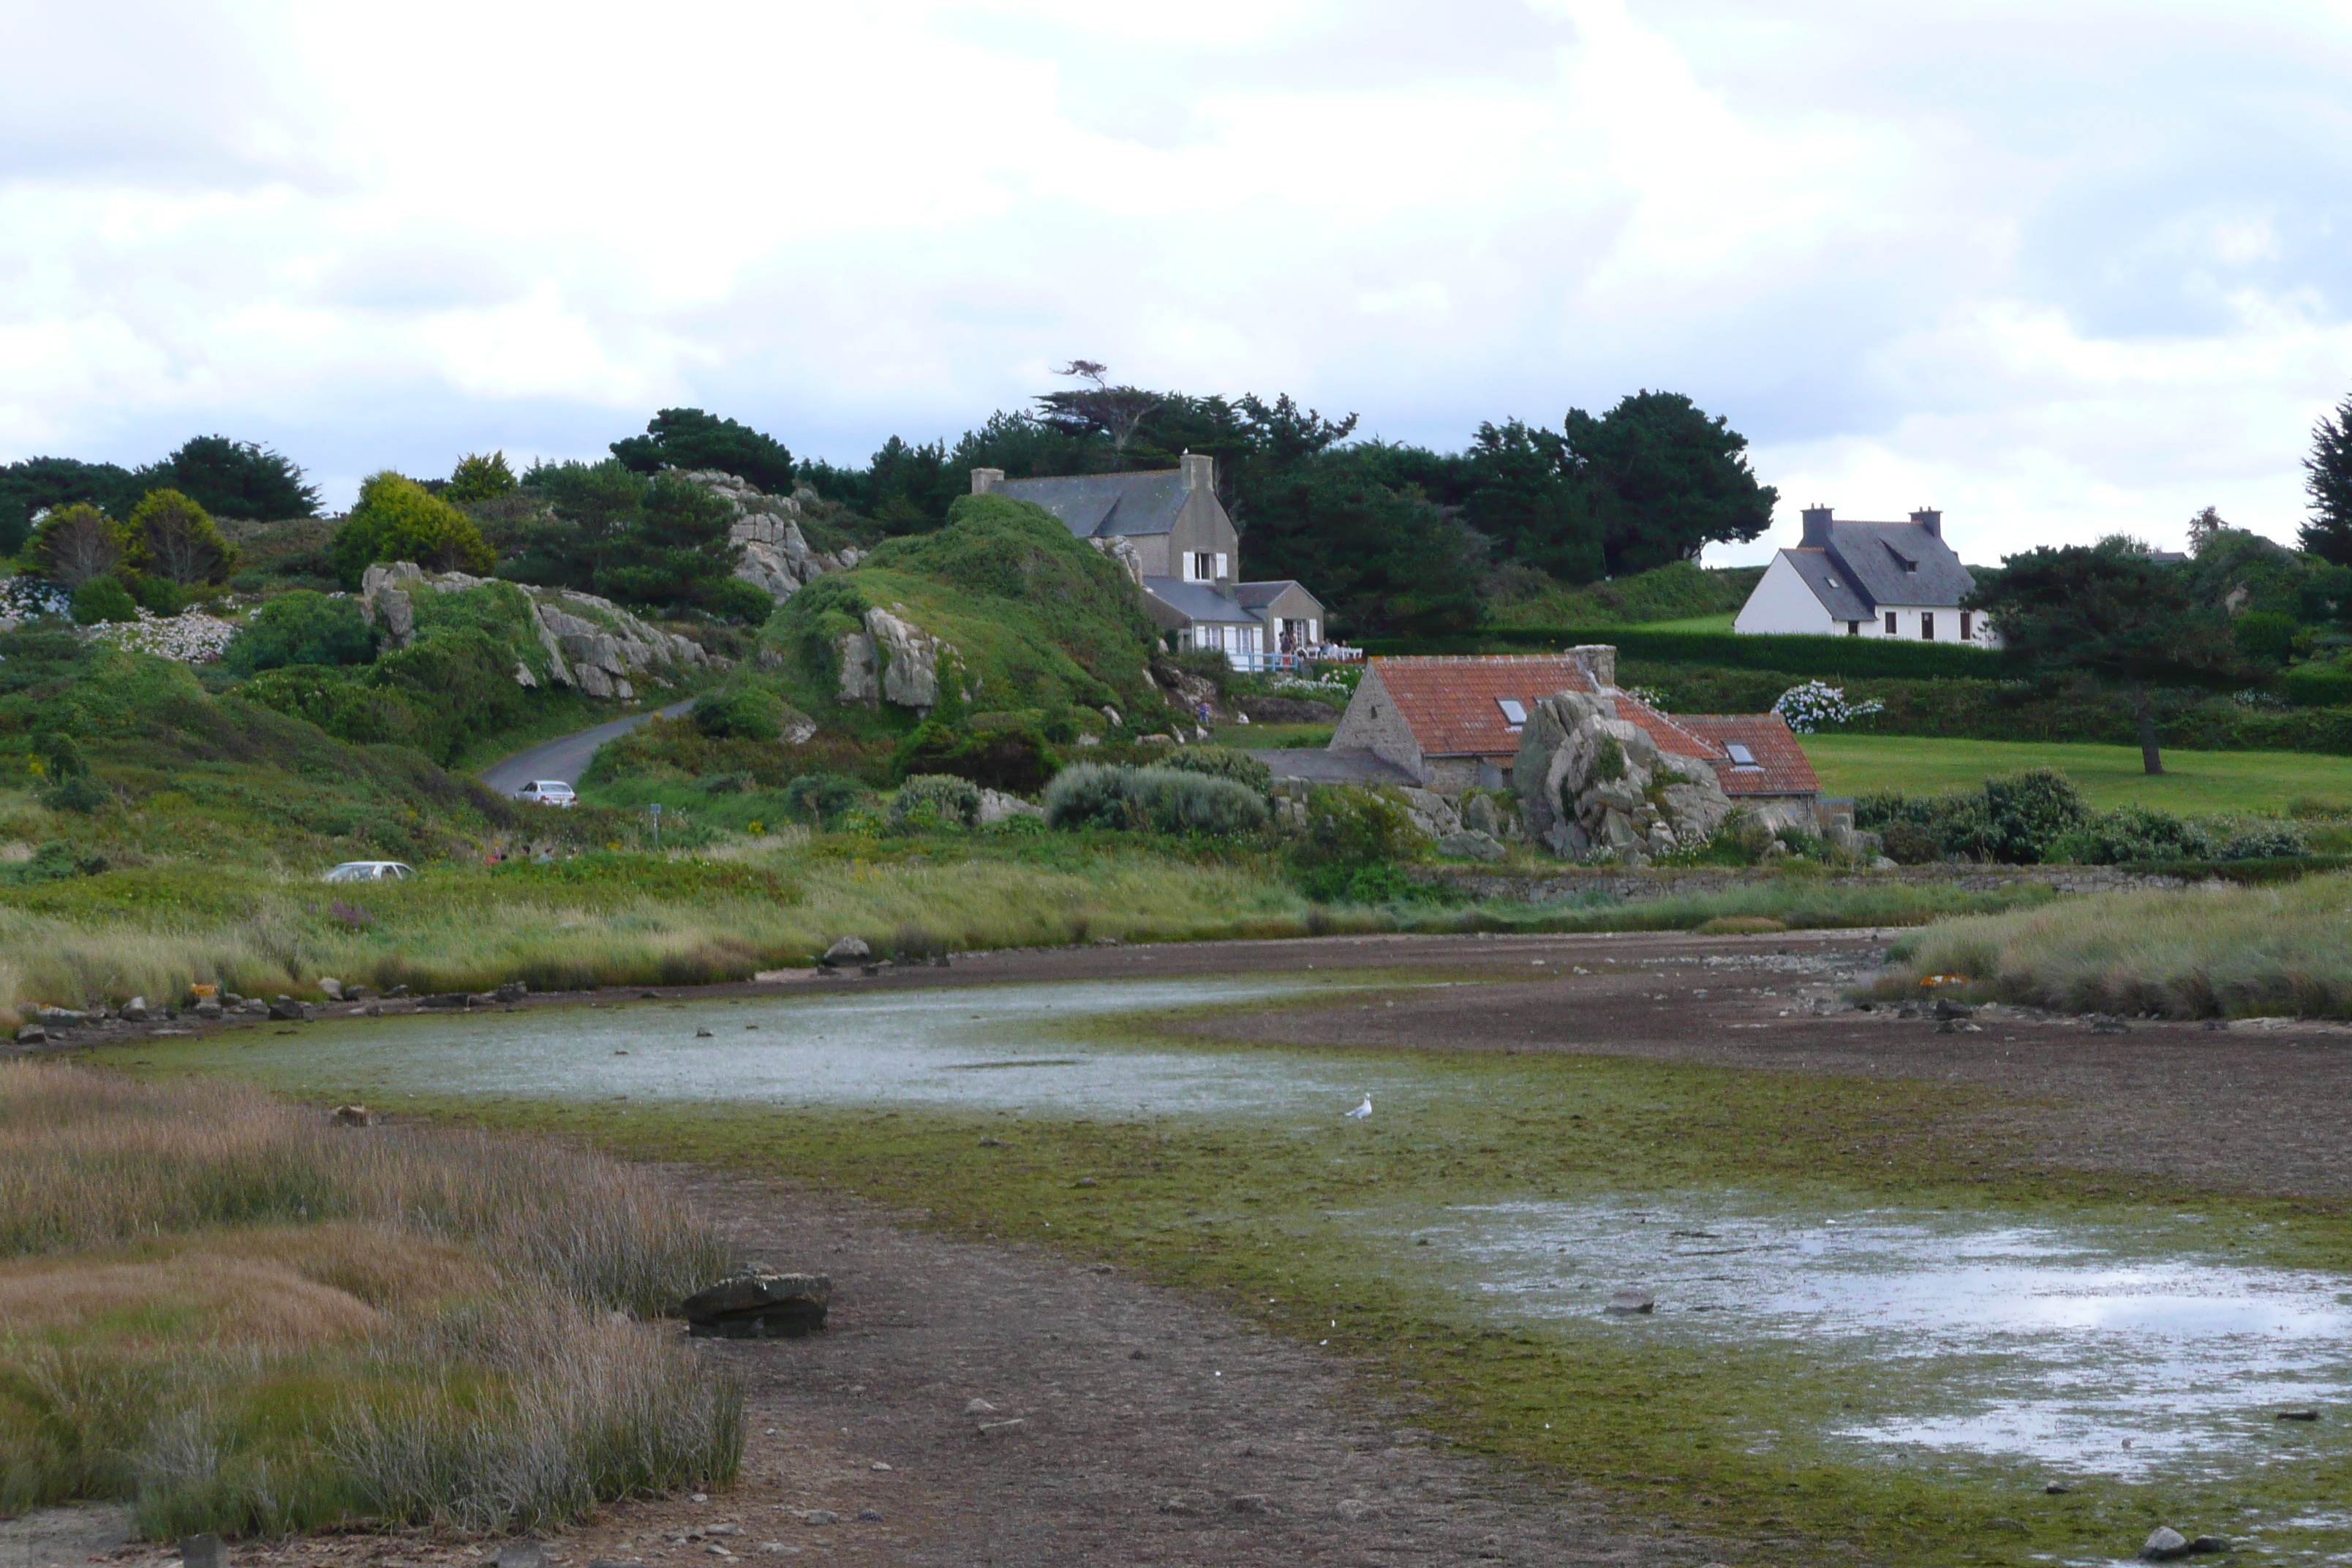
(1362, 1112)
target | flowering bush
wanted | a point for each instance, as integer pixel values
(1328, 689)
(24, 599)
(190, 638)
(1648, 695)
(1817, 703)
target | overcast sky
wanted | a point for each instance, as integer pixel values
(2059, 269)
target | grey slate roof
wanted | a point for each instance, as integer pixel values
(1200, 601)
(1830, 585)
(1323, 765)
(1105, 506)
(1257, 595)
(1874, 560)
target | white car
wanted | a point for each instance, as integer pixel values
(371, 871)
(546, 792)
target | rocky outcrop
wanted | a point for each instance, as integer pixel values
(591, 643)
(772, 554)
(1591, 783)
(892, 660)
(1121, 549)
(997, 806)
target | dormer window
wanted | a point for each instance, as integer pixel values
(1515, 712)
(1742, 758)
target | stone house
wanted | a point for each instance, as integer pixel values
(1167, 528)
(1867, 579)
(1456, 723)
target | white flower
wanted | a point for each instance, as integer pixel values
(190, 638)
(1809, 707)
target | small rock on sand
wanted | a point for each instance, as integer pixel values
(1631, 1303)
(2164, 1543)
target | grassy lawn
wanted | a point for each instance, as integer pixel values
(1721, 623)
(2194, 784)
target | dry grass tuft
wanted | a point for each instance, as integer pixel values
(2211, 952)
(203, 1283)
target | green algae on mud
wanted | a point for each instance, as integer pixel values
(1300, 1223)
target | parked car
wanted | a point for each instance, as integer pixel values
(546, 792)
(371, 871)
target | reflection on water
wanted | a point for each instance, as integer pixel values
(2061, 1345)
(965, 1046)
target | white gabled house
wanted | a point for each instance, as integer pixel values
(1867, 579)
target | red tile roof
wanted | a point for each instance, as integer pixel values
(1781, 767)
(1451, 704)
(1451, 700)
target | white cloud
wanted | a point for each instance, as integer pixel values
(2060, 271)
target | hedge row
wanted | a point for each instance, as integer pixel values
(2012, 710)
(1809, 658)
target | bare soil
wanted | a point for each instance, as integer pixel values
(1135, 1425)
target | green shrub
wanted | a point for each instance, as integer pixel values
(81, 793)
(336, 701)
(2265, 635)
(2130, 833)
(1160, 799)
(1015, 760)
(822, 797)
(2014, 820)
(1352, 826)
(399, 519)
(103, 599)
(2265, 841)
(54, 862)
(932, 801)
(1222, 762)
(479, 479)
(301, 628)
(742, 713)
(1206, 664)
(157, 596)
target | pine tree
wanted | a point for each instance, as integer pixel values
(2327, 476)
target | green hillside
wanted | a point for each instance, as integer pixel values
(1033, 619)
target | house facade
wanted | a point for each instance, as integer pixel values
(1173, 534)
(1867, 579)
(1454, 724)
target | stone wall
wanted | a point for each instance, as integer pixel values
(1670, 882)
(1372, 724)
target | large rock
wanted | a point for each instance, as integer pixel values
(1471, 844)
(1592, 783)
(892, 660)
(770, 552)
(1432, 812)
(591, 643)
(759, 1307)
(997, 806)
(848, 950)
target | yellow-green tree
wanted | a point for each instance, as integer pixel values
(74, 543)
(172, 537)
(399, 519)
(477, 478)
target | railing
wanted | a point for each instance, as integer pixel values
(1256, 663)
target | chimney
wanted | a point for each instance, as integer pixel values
(1199, 473)
(986, 479)
(1817, 528)
(1600, 661)
(1931, 520)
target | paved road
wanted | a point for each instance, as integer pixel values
(565, 757)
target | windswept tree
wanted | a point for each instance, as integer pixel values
(74, 543)
(2328, 479)
(1098, 408)
(234, 478)
(1665, 479)
(2113, 611)
(175, 539)
(37, 485)
(691, 438)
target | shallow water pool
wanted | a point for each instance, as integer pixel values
(993, 1047)
(2091, 1350)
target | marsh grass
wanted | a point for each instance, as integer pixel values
(643, 920)
(2279, 949)
(245, 1318)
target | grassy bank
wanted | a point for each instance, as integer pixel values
(1317, 1233)
(634, 919)
(2194, 784)
(2276, 950)
(245, 1318)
